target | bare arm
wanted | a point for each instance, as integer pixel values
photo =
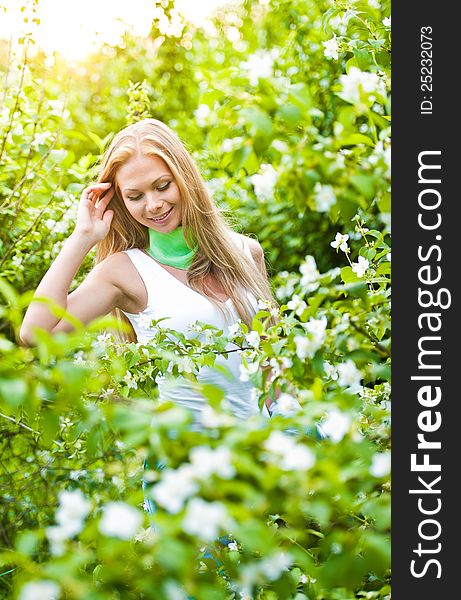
(93, 223)
(258, 256)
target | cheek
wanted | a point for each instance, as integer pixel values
(174, 194)
(131, 208)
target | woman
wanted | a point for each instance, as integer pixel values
(163, 249)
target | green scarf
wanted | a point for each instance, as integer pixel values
(171, 248)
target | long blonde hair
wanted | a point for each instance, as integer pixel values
(218, 253)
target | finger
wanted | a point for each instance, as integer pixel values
(96, 188)
(103, 201)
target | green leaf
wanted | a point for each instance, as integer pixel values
(365, 184)
(13, 391)
(259, 124)
(27, 542)
(354, 139)
(348, 275)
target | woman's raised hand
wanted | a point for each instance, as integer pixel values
(93, 220)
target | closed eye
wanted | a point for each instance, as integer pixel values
(161, 188)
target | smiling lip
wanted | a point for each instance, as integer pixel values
(162, 219)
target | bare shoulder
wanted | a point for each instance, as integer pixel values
(114, 267)
(255, 247)
(119, 270)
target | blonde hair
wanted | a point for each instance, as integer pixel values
(218, 253)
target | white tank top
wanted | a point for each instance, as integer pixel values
(169, 297)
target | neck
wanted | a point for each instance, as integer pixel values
(171, 248)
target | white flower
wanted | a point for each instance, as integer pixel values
(361, 266)
(263, 304)
(303, 346)
(280, 145)
(340, 21)
(128, 379)
(297, 304)
(56, 107)
(73, 510)
(275, 367)
(207, 462)
(40, 590)
(175, 487)
(40, 139)
(273, 566)
(77, 473)
(299, 458)
(186, 364)
(310, 274)
(16, 260)
(380, 464)
(324, 197)
(340, 241)
(387, 22)
(330, 370)
(336, 425)
(144, 535)
(201, 114)
(214, 185)
(317, 328)
(78, 357)
(316, 335)
(120, 520)
(288, 455)
(253, 339)
(230, 144)
(104, 337)
(278, 442)
(248, 370)
(285, 405)
(61, 226)
(287, 363)
(264, 182)
(357, 84)
(205, 519)
(211, 418)
(56, 538)
(4, 115)
(209, 336)
(349, 376)
(258, 65)
(18, 130)
(331, 48)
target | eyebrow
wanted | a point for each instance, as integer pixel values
(153, 183)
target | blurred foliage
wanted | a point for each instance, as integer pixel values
(285, 105)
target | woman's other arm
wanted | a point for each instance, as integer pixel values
(97, 295)
(258, 256)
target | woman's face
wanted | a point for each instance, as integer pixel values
(150, 193)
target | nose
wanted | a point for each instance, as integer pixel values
(154, 204)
